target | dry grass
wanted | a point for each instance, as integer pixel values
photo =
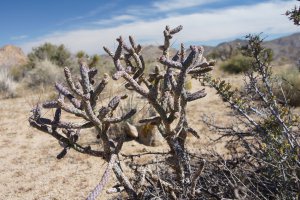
(44, 74)
(29, 168)
(7, 84)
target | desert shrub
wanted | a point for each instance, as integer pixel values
(58, 55)
(19, 72)
(223, 53)
(294, 15)
(289, 86)
(236, 64)
(92, 61)
(270, 137)
(81, 54)
(44, 74)
(7, 84)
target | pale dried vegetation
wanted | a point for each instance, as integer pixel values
(7, 84)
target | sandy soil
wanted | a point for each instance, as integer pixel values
(29, 168)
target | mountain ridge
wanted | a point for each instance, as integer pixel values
(285, 49)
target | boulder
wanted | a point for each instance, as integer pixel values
(11, 56)
(131, 130)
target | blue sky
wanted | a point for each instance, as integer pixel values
(89, 25)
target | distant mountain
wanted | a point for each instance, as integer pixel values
(286, 48)
(11, 56)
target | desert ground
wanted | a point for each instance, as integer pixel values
(29, 168)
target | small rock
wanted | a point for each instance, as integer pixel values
(149, 135)
(131, 130)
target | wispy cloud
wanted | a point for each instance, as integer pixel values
(116, 19)
(168, 5)
(19, 37)
(91, 13)
(221, 24)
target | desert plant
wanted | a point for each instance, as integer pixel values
(294, 15)
(164, 90)
(236, 64)
(223, 53)
(58, 55)
(83, 95)
(7, 84)
(286, 86)
(44, 74)
(170, 100)
(270, 137)
(92, 61)
(81, 54)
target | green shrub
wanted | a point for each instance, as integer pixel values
(44, 74)
(92, 61)
(7, 84)
(237, 64)
(58, 55)
(81, 54)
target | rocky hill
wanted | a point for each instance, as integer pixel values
(11, 56)
(286, 49)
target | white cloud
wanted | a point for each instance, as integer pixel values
(19, 37)
(199, 27)
(168, 5)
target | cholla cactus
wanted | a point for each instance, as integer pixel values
(80, 99)
(163, 89)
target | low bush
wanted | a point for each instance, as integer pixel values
(237, 64)
(270, 133)
(58, 55)
(19, 72)
(290, 84)
(7, 84)
(44, 74)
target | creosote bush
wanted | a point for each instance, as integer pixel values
(236, 64)
(269, 160)
(7, 84)
(58, 55)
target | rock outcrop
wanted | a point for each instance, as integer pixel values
(11, 56)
